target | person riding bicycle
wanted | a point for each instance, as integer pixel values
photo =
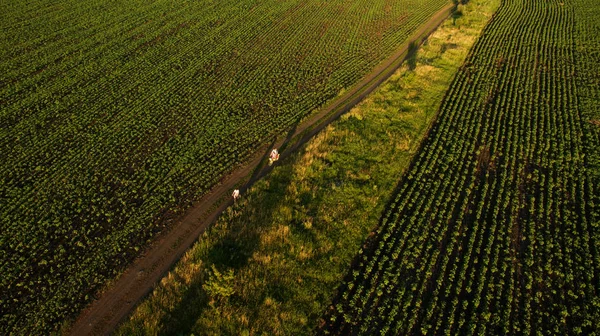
(274, 156)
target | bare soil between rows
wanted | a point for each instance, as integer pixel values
(114, 304)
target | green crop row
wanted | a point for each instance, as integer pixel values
(495, 228)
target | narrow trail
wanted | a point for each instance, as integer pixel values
(103, 315)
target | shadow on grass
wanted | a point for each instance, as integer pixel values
(411, 56)
(457, 14)
(235, 250)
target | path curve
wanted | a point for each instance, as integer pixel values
(104, 314)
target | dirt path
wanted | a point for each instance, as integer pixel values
(103, 315)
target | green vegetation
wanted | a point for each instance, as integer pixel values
(495, 227)
(290, 240)
(116, 115)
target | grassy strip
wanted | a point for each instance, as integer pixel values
(273, 261)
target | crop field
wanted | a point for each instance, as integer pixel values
(115, 116)
(495, 227)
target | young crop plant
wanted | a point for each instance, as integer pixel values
(495, 229)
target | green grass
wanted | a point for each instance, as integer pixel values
(291, 239)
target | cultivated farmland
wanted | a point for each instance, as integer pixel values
(495, 227)
(115, 116)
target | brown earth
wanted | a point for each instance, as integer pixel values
(114, 304)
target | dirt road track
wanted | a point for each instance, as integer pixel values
(103, 315)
